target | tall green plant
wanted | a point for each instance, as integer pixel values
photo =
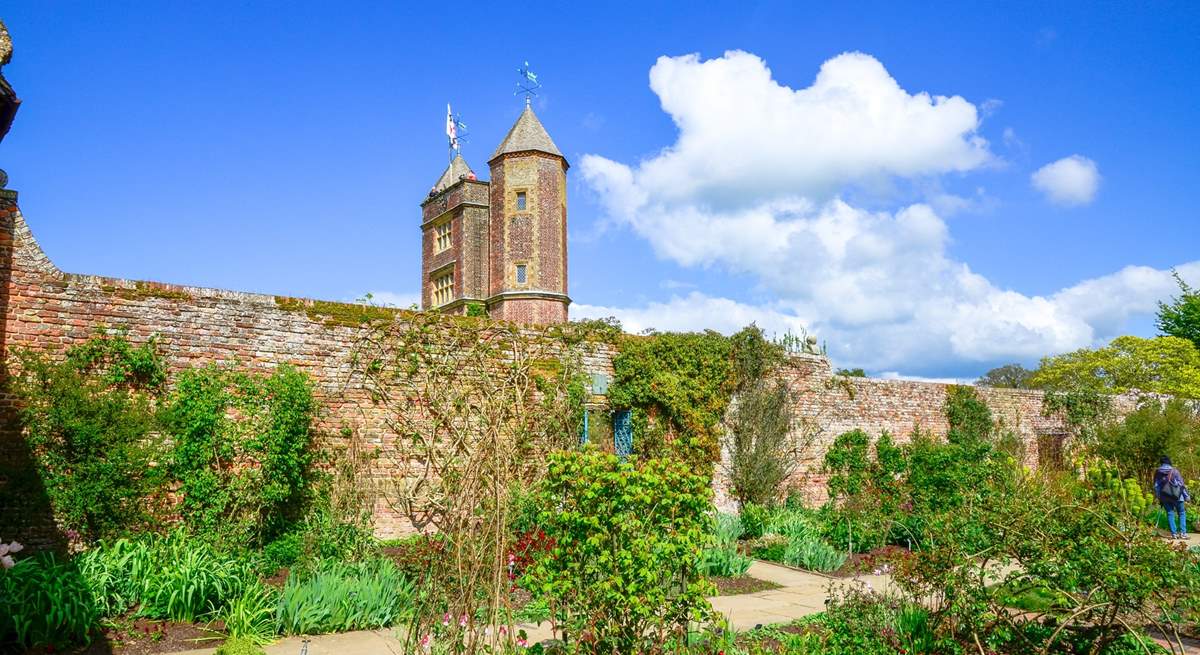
(90, 422)
(622, 574)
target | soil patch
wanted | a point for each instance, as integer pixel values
(880, 561)
(130, 636)
(741, 585)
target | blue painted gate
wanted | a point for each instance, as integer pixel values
(623, 433)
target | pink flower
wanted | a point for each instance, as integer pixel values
(446, 618)
(503, 630)
(427, 641)
(521, 642)
(462, 621)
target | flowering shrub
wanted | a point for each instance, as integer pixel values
(622, 574)
(7, 551)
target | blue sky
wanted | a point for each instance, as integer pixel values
(285, 147)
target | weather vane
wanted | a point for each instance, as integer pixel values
(528, 84)
(456, 131)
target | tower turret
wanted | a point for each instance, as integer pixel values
(528, 228)
(454, 243)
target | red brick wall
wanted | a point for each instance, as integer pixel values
(46, 309)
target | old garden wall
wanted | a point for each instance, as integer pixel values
(46, 309)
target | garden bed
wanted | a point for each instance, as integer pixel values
(140, 636)
(742, 585)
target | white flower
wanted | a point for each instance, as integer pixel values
(7, 562)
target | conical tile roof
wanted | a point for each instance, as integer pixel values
(454, 172)
(527, 134)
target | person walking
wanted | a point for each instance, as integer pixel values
(1172, 493)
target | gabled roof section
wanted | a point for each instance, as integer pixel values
(527, 134)
(454, 172)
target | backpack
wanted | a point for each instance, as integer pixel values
(1172, 487)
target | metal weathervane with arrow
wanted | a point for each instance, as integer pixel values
(528, 84)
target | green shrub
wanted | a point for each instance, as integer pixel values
(46, 603)
(243, 480)
(1135, 443)
(724, 561)
(791, 523)
(341, 596)
(754, 520)
(90, 422)
(813, 554)
(627, 542)
(769, 547)
(238, 646)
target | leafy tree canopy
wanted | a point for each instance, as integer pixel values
(1181, 317)
(1169, 365)
(1009, 376)
(852, 372)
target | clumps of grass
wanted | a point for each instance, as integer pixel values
(723, 559)
(46, 603)
(340, 596)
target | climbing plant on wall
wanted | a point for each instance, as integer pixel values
(243, 451)
(90, 423)
(679, 386)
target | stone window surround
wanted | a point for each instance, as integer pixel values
(443, 236)
(441, 282)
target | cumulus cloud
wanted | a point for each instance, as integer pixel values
(754, 184)
(743, 135)
(1070, 181)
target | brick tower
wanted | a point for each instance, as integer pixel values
(454, 243)
(500, 247)
(528, 230)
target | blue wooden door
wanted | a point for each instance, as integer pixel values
(623, 433)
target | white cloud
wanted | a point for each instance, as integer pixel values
(1070, 181)
(744, 134)
(752, 185)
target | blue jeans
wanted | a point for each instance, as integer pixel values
(1173, 509)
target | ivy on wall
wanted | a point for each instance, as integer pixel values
(679, 386)
(243, 449)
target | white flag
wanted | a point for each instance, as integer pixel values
(451, 128)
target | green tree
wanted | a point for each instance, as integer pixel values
(1136, 443)
(852, 372)
(1009, 376)
(1181, 317)
(1169, 365)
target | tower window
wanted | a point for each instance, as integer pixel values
(521, 276)
(443, 237)
(521, 201)
(443, 289)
